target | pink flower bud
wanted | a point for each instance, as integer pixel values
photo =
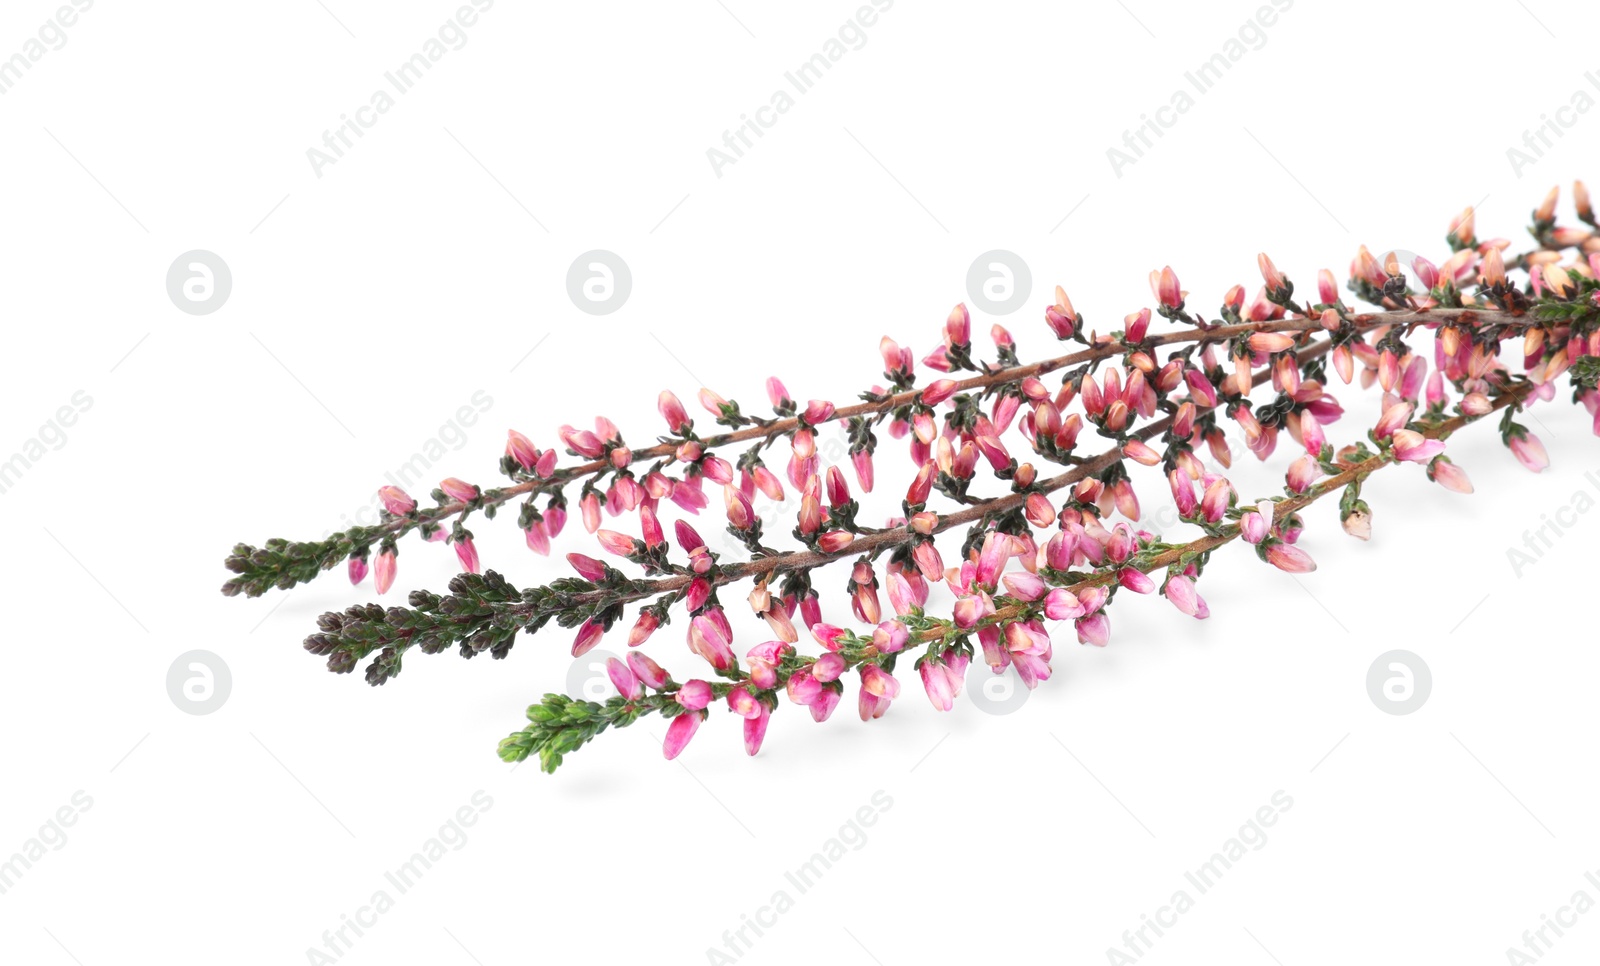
(679, 732)
(396, 501)
(802, 687)
(1412, 446)
(1136, 325)
(1449, 475)
(1061, 605)
(1164, 286)
(618, 543)
(1271, 276)
(828, 635)
(626, 682)
(588, 636)
(672, 411)
(538, 538)
(521, 449)
(777, 393)
(357, 570)
(459, 491)
(742, 703)
(467, 553)
(1529, 451)
(587, 567)
(958, 328)
(835, 541)
(862, 461)
(1140, 452)
(1025, 586)
(938, 392)
(1270, 342)
(1135, 580)
(1252, 526)
(1180, 590)
(1094, 629)
(755, 729)
(1290, 559)
(383, 571)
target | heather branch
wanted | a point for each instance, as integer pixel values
(560, 725)
(283, 564)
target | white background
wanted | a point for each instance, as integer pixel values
(372, 302)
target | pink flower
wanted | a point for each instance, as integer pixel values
(467, 553)
(1135, 580)
(828, 667)
(1274, 279)
(1094, 629)
(755, 729)
(1290, 559)
(744, 704)
(679, 732)
(357, 569)
(1164, 286)
(1137, 324)
(537, 537)
(694, 695)
(1413, 447)
(1061, 604)
(777, 393)
(709, 640)
(647, 671)
(521, 449)
(1025, 586)
(1449, 475)
(618, 543)
(383, 571)
(958, 328)
(396, 501)
(672, 411)
(938, 392)
(588, 636)
(458, 490)
(627, 683)
(1180, 590)
(862, 461)
(1529, 451)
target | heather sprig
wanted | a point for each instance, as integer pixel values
(1037, 548)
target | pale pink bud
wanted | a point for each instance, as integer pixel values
(618, 543)
(1270, 342)
(1140, 452)
(829, 636)
(1529, 451)
(1025, 586)
(1412, 446)
(1094, 629)
(1270, 275)
(1289, 559)
(383, 571)
(459, 491)
(467, 553)
(538, 538)
(1302, 473)
(396, 501)
(1252, 526)
(1449, 475)
(835, 541)
(1061, 604)
(1180, 590)
(521, 449)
